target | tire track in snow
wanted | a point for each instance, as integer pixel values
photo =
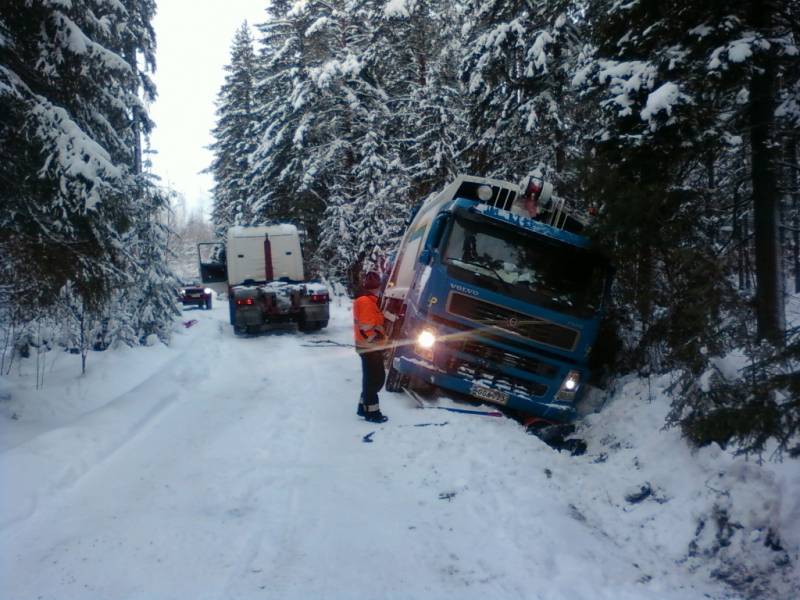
(215, 417)
(95, 438)
(86, 444)
(293, 427)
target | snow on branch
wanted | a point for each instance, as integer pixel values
(399, 8)
(316, 26)
(537, 54)
(78, 159)
(663, 99)
(737, 51)
(72, 38)
(625, 79)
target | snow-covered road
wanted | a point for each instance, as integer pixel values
(228, 467)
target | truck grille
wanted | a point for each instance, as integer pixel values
(498, 381)
(492, 315)
(507, 359)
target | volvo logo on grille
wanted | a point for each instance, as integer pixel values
(464, 290)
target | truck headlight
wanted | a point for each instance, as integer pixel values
(569, 387)
(426, 339)
(208, 291)
(425, 342)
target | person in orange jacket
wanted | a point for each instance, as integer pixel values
(370, 339)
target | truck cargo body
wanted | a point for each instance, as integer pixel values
(488, 303)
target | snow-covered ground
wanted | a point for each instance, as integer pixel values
(225, 467)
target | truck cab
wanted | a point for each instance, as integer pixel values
(496, 299)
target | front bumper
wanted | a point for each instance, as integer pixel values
(201, 301)
(484, 391)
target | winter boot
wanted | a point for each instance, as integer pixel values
(360, 409)
(376, 416)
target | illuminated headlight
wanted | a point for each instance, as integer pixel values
(570, 386)
(424, 346)
(208, 290)
(426, 339)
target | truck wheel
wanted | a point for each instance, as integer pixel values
(231, 310)
(208, 303)
(322, 324)
(395, 380)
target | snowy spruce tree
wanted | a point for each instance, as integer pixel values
(686, 105)
(233, 142)
(359, 152)
(73, 80)
(517, 64)
(281, 124)
(425, 42)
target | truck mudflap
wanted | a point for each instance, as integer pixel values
(427, 372)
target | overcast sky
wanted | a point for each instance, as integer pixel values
(194, 41)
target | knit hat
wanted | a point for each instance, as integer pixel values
(372, 281)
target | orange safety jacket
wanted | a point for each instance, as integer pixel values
(368, 324)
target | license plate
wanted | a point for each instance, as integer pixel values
(489, 394)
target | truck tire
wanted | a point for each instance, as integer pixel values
(395, 380)
(232, 311)
(208, 303)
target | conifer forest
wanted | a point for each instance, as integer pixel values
(677, 124)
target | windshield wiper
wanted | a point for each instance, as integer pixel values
(494, 272)
(499, 277)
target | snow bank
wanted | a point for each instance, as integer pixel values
(718, 516)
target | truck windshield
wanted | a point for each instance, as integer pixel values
(537, 270)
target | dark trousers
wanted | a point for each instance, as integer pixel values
(373, 377)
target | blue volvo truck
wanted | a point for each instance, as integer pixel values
(495, 295)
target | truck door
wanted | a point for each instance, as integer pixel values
(212, 262)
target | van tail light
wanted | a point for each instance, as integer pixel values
(319, 298)
(245, 302)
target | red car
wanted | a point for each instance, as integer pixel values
(195, 295)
